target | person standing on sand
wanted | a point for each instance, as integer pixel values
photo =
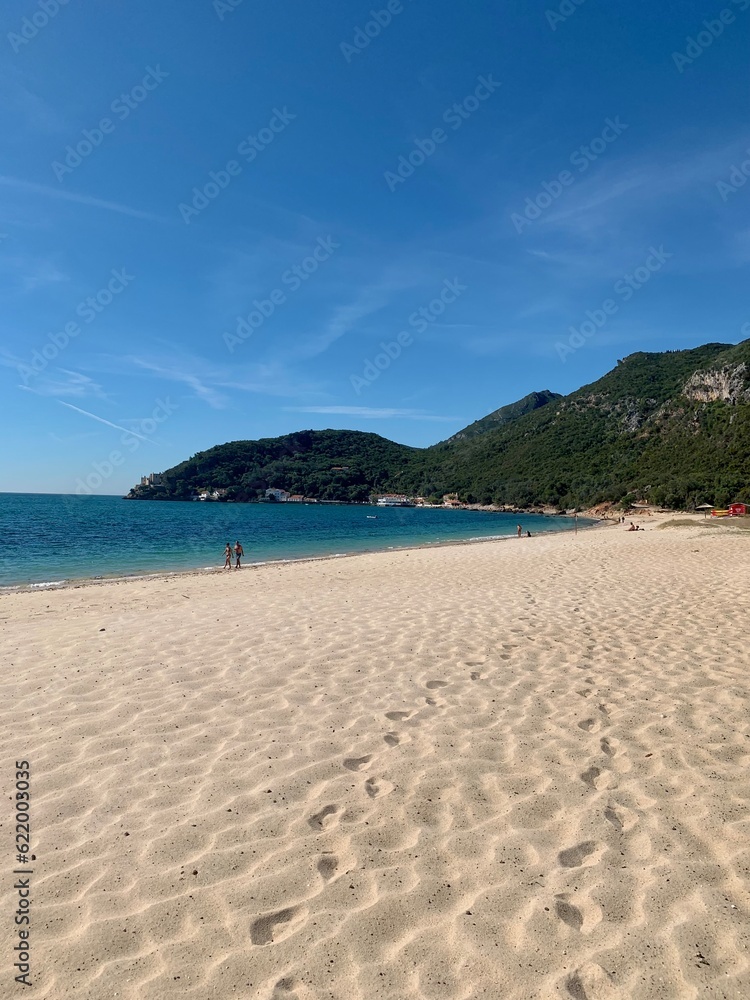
(239, 553)
(519, 530)
(228, 556)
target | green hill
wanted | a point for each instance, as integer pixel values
(673, 428)
(327, 465)
(506, 414)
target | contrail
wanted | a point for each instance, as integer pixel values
(103, 421)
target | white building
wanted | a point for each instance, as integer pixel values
(394, 500)
(281, 495)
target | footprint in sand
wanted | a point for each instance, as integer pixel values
(284, 989)
(582, 916)
(575, 857)
(606, 746)
(592, 982)
(328, 866)
(375, 787)
(476, 676)
(326, 818)
(290, 988)
(621, 818)
(357, 763)
(590, 725)
(569, 914)
(589, 777)
(585, 692)
(436, 684)
(398, 716)
(276, 926)
(612, 816)
(594, 777)
(393, 739)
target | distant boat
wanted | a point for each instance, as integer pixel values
(372, 517)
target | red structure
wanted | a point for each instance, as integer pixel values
(737, 509)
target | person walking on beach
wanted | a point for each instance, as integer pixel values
(519, 530)
(239, 553)
(228, 556)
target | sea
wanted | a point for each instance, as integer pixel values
(50, 540)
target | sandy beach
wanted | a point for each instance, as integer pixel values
(514, 769)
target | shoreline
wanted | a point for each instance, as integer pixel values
(93, 581)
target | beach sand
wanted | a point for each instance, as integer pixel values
(514, 769)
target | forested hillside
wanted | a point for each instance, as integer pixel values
(506, 414)
(672, 428)
(327, 465)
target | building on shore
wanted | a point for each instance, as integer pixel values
(394, 500)
(281, 496)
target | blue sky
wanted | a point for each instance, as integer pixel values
(478, 178)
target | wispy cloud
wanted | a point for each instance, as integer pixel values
(208, 380)
(18, 97)
(59, 194)
(76, 384)
(45, 272)
(346, 317)
(203, 391)
(26, 273)
(370, 299)
(624, 189)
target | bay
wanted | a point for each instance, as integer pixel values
(50, 539)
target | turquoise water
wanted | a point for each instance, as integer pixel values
(49, 539)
